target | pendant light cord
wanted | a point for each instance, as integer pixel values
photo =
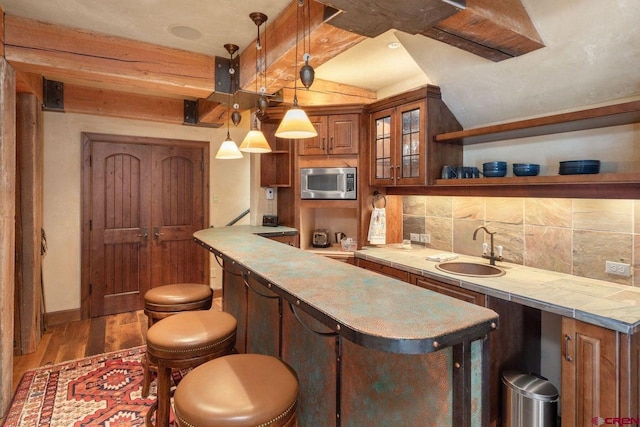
(295, 70)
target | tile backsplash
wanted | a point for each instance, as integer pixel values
(573, 236)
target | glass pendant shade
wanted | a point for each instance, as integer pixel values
(296, 125)
(228, 150)
(255, 142)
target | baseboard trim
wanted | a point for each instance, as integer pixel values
(65, 316)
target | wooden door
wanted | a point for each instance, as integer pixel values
(143, 202)
(589, 373)
(177, 212)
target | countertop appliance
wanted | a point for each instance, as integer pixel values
(269, 220)
(321, 239)
(328, 183)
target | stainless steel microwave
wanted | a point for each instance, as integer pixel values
(328, 183)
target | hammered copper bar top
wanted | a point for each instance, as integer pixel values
(367, 308)
(602, 303)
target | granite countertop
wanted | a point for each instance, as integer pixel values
(598, 302)
(365, 307)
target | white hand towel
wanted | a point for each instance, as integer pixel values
(378, 227)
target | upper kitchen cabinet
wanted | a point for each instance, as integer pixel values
(401, 139)
(337, 134)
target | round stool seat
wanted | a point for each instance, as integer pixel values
(178, 297)
(239, 390)
(185, 340)
(191, 334)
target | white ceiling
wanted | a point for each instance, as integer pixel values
(592, 53)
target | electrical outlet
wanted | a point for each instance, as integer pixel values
(270, 193)
(425, 238)
(619, 268)
(415, 237)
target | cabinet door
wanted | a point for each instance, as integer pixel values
(318, 145)
(589, 373)
(343, 134)
(383, 156)
(411, 144)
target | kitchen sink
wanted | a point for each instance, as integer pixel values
(470, 269)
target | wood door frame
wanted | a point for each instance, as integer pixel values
(87, 139)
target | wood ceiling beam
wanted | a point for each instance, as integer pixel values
(29, 83)
(87, 100)
(495, 30)
(90, 59)
(327, 41)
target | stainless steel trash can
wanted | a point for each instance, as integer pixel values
(528, 401)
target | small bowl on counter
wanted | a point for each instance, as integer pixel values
(526, 169)
(494, 169)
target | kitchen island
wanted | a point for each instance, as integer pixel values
(368, 349)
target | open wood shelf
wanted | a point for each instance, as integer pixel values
(612, 115)
(605, 178)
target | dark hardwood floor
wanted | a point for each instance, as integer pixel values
(84, 338)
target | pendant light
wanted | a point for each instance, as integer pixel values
(229, 150)
(255, 141)
(296, 123)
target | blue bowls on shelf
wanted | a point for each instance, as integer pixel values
(526, 169)
(494, 169)
(577, 167)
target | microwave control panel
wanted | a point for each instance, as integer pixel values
(351, 182)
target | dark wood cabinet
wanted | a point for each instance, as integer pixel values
(337, 134)
(590, 374)
(401, 143)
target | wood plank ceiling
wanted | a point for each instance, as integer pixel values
(112, 76)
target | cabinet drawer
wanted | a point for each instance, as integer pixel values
(383, 269)
(449, 290)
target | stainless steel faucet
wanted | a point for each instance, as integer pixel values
(492, 256)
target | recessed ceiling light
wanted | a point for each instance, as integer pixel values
(393, 45)
(184, 32)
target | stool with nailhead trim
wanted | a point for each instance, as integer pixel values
(167, 300)
(239, 390)
(183, 341)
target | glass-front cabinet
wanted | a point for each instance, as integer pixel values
(399, 141)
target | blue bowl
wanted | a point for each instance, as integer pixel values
(526, 169)
(494, 169)
(494, 173)
(576, 167)
(494, 165)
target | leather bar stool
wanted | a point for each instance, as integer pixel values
(182, 341)
(166, 300)
(239, 390)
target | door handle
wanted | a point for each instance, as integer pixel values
(144, 234)
(157, 233)
(567, 357)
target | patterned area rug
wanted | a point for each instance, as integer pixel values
(103, 390)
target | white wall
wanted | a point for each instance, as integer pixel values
(229, 191)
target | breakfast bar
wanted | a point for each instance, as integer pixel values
(368, 349)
